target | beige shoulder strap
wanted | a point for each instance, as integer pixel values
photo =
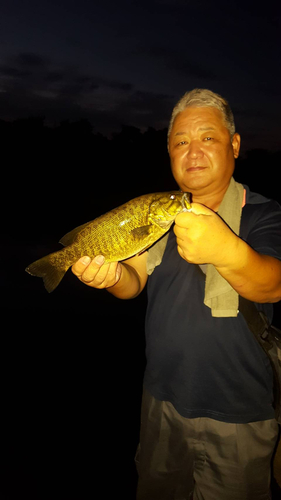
(155, 254)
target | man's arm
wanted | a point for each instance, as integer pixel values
(255, 276)
(124, 280)
(204, 238)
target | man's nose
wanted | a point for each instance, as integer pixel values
(194, 150)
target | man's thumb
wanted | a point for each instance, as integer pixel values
(198, 209)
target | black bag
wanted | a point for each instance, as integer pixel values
(269, 337)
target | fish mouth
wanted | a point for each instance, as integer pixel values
(185, 201)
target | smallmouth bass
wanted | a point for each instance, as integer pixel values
(119, 234)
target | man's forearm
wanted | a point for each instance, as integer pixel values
(255, 276)
(129, 285)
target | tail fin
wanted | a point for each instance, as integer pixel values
(45, 268)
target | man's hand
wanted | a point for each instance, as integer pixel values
(203, 237)
(95, 273)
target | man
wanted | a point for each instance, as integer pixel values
(207, 428)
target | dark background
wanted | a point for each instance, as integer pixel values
(86, 91)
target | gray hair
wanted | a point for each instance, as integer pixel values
(204, 98)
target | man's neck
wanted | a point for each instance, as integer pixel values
(211, 200)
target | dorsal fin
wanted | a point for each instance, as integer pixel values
(70, 237)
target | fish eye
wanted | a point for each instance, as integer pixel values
(172, 197)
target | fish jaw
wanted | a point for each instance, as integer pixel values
(163, 224)
(186, 202)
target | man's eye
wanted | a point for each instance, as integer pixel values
(208, 138)
(181, 143)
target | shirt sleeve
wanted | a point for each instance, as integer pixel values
(264, 228)
(261, 229)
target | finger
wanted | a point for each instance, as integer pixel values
(100, 276)
(179, 231)
(184, 219)
(180, 251)
(114, 272)
(91, 271)
(106, 276)
(79, 267)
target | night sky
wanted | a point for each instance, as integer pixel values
(72, 361)
(129, 62)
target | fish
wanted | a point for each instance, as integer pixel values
(119, 234)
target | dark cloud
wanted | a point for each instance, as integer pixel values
(70, 90)
(30, 85)
(191, 69)
(118, 85)
(22, 70)
(31, 60)
(172, 3)
(94, 86)
(139, 109)
(12, 71)
(83, 79)
(35, 73)
(142, 109)
(144, 102)
(177, 61)
(98, 82)
(34, 85)
(54, 76)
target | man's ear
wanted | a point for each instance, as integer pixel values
(236, 141)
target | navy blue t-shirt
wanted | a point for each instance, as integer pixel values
(207, 366)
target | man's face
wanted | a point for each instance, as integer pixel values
(201, 152)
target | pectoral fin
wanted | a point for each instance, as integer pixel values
(141, 232)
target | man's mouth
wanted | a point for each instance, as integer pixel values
(195, 169)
